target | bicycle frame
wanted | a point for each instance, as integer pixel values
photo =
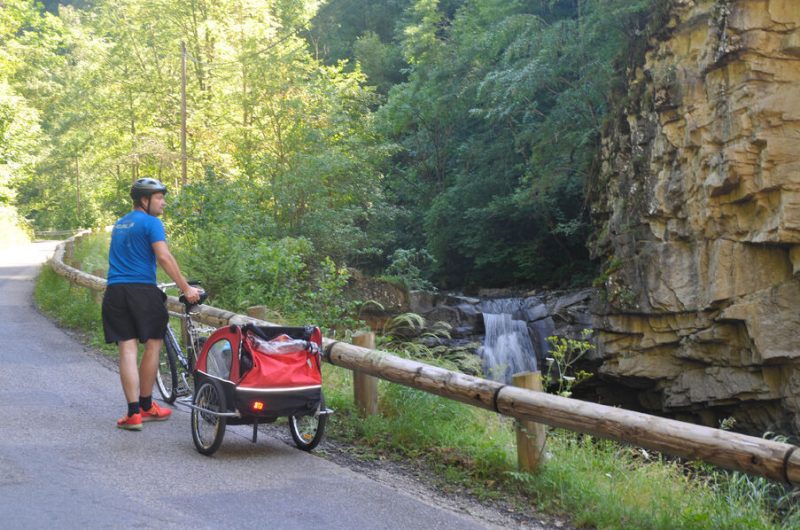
(184, 358)
(188, 358)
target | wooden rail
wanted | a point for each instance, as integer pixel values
(55, 233)
(756, 456)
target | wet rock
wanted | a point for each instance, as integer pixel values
(539, 330)
(444, 313)
(470, 318)
(420, 302)
(536, 312)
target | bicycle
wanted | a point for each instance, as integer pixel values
(175, 366)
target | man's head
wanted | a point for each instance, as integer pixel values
(148, 194)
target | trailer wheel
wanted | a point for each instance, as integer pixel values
(208, 428)
(307, 431)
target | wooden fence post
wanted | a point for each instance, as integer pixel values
(68, 253)
(531, 436)
(365, 387)
(98, 295)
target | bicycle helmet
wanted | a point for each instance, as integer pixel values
(145, 187)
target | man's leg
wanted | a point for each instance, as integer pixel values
(149, 366)
(128, 369)
(147, 377)
(129, 375)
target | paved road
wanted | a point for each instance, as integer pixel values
(64, 464)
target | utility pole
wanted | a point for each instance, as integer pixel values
(77, 189)
(183, 113)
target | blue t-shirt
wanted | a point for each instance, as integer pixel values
(131, 258)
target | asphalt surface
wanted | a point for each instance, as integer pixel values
(64, 464)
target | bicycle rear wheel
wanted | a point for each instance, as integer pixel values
(167, 376)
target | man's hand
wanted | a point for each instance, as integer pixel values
(192, 294)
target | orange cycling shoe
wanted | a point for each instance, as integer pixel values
(130, 423)
(156, 413)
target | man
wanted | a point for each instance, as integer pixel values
(133, 305)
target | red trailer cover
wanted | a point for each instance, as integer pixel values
(282, 362)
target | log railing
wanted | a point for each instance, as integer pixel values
(55, 233)
(756, 456)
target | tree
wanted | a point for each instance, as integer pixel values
(498, 122)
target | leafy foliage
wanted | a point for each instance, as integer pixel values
(498, 122)
(461, 128)
(565, 353)
(100, 88)
(411, 267)
(361, 32)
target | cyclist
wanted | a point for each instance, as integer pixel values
(133, 306)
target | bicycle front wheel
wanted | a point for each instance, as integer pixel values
(167, 376)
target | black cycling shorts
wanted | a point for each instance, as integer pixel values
(134, 311)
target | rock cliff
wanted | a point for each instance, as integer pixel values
(697, 207)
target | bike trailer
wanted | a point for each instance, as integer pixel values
(265, 371)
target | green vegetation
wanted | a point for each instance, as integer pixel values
(91, 255)
(594, 482)
(282, 275)
(498, 123)
(440, 142)
(565, 353)
(72, 307)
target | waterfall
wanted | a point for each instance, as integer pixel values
(507, 347)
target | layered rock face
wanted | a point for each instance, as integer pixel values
(697, 204)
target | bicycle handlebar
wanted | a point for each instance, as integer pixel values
(182, 299)
(168, 285)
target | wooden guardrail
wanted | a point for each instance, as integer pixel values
(56, 233)
(756, 456)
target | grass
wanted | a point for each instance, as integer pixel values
(596, 483)
(91, 255)
(72, 307)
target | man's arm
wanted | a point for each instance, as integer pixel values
(170, 266)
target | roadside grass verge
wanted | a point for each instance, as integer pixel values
(91, 255)
(595, 483)
(72, 306)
